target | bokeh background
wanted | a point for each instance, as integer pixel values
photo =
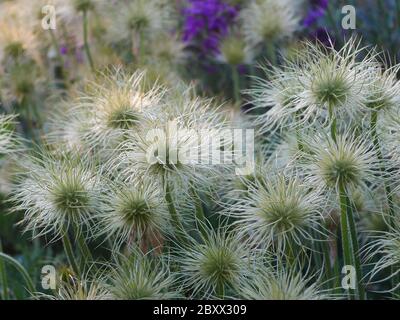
(210, 44)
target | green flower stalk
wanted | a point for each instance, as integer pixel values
(341, 165)
(85, 39)
(3, 274)
(234, 52)
(5, 258)
(69, 252)
(84, 6)
(180, 232)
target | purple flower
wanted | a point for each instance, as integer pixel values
(317, 10)
(206, 21)
(63, 50)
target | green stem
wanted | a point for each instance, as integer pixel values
(290, 253)
(236, 84)
(349, 240)
(180, 231)
(356, 250)
(332, 118)
(332, 21)
(83, 248)
(70, 253)
(29, 283)
(141, 47)
(346, 242)
(200, 217)
(85, 40)
(220, 291)
(3, 273)
(298, 139)
(271, 53)
(24, 110)
(336, 271)
(327, 264)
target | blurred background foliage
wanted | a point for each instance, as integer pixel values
(203, 42)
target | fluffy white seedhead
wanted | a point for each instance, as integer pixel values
(73, 288)
(285, 151)
(133, 214)
(351, 161)
(70, 130)
(384, 90)
(277, 97)
(174, 147)
(214, 266)
(56, 193)
(234, 50)
(335, 83)
(281, 284)
(167, 50)
(17, 35)
(372, 207)
(140, 276)
(191, 109)
(139, 18)
(116, 104)
(319, 85)
(388, 128)
(385, 247)
(8, 140)
(278, 209)
(269, 20)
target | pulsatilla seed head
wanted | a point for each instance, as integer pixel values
(276, 210)
(214, 266)
(141, 276)
(350, 161)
